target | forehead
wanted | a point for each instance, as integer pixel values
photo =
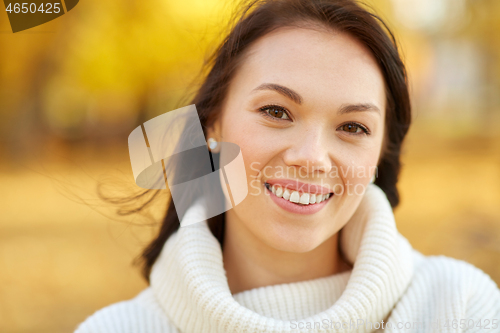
(321, 65)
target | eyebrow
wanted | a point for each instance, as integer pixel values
(348, 108)
(287, 92)
(294, 96)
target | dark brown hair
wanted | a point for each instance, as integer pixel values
(256, 19)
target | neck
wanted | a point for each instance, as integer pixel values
(250, 263)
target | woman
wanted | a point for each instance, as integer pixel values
(315, 95)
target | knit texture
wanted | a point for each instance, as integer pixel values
(390, 283)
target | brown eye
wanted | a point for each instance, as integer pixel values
(275, 112)
(354, 128)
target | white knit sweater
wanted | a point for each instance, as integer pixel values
(391, 287)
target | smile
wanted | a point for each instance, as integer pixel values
(297, 197)
(297, 202)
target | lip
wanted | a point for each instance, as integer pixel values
(295, 185)
(294, 208)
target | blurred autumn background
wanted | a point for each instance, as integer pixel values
(72, 90)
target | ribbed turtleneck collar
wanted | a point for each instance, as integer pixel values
(190, 283)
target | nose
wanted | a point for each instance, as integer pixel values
(309, 152)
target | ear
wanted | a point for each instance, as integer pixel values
(214, 130)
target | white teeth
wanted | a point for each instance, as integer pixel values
(312, 199)
(296, 197)
(304, 199)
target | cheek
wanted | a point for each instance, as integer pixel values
(355, 169)
(256, 152)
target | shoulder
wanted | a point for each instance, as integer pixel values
(442, 269)
(137, 315)
(440, 279)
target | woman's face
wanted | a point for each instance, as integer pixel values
(307, 106)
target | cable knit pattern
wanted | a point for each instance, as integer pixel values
(389, 282)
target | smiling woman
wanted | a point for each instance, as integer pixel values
(310, 90)
(310, 82)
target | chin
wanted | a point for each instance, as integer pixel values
(293, 239)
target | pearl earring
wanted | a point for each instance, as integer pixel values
(372, 179)
(212, 144)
